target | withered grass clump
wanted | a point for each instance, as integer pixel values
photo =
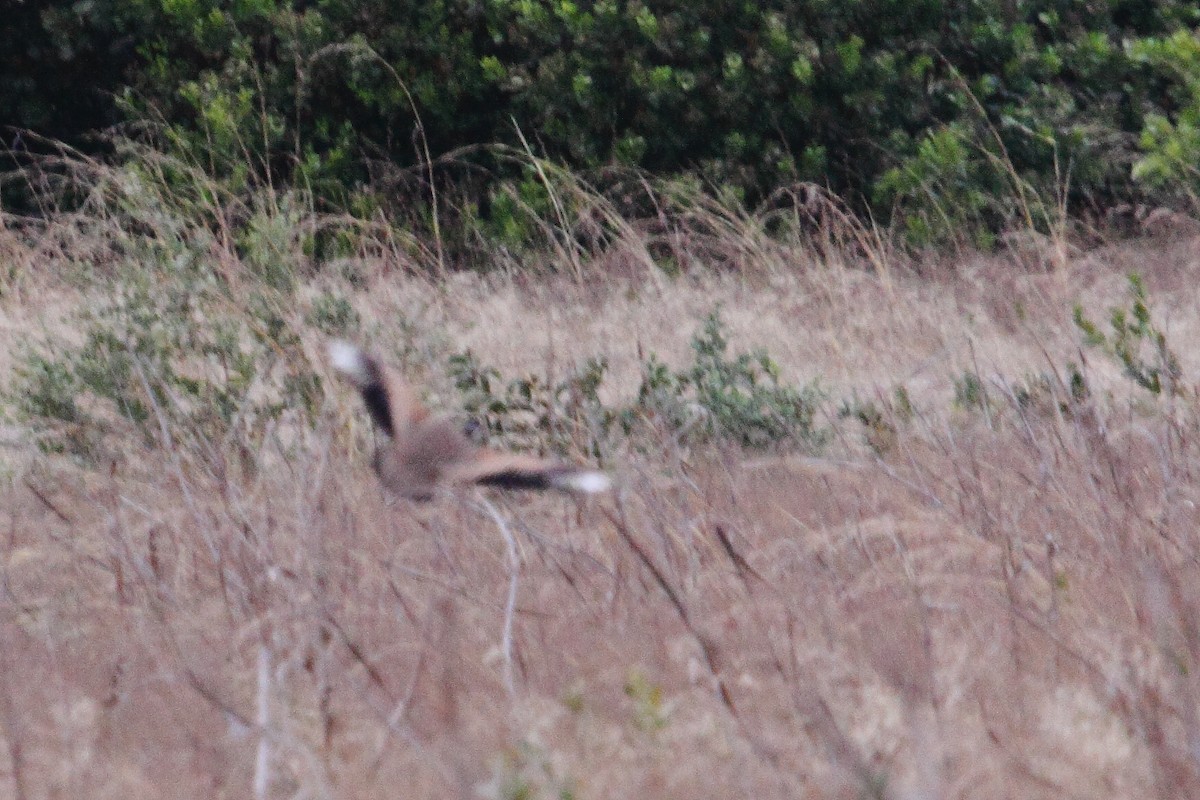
(980, 582)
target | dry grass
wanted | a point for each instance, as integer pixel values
(992, 602)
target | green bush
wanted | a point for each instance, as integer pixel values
(1137, 342)
(969, 392)
(532, 413)
(189, 336)
(1051, 393)
(947, 116)
(739, 400)
(168, 360)
(1170, 142)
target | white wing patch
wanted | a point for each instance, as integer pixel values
(349, 360)
(586, 481)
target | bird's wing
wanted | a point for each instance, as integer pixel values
(517, 471)
(391, 402)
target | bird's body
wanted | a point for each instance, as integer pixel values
(426, 451)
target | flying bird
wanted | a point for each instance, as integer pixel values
(425, 452)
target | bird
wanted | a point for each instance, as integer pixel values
(425, 452)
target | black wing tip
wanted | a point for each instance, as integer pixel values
(365, 372)
(517, 479)
(569, 479)
(375, 397)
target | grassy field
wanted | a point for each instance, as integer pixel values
(979, 580)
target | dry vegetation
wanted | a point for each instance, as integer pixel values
(980, 587)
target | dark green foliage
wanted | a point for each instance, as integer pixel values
(956, 116)
(61, 61)
(1136, 342)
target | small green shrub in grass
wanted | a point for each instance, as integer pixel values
(969, 392)
(1136, 342)
(47, 393)
(739, 399)
(1047, 392)
(744, 394)
(526, 771)
(169, 360)
(533, 413)
(192, 335)
(333, 314)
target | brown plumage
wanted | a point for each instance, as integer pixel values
(425, 452)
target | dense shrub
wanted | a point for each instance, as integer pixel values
(967, 113)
